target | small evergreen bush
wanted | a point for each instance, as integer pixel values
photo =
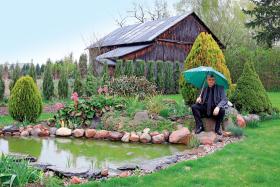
(205, 52)
(91, 85)
(119, 68)
(250, 95)
(63, 85)
(151, 71)
(105, 75)
(139, 67)
(161, 77)
(235, 130)
(48, 85)
(78, 85)
(25, 102)
(128, 68)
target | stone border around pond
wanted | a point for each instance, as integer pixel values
(180, 136)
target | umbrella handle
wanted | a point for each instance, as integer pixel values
(202, 88)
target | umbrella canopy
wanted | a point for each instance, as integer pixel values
(197, 76)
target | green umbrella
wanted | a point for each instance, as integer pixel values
(197, 77)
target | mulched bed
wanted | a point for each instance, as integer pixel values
(47, 109)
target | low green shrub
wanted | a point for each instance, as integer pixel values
(165, 113)
(86, 110)
(132, 86)
(253, 124)
(17, 173)
(235, 130)
(194, 143)
(25, 102)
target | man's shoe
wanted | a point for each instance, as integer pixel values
(198, 130)
(218, 132)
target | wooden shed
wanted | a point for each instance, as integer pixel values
(167, 40)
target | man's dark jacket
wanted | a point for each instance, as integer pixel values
(220, 99)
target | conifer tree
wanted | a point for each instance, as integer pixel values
(48, 85)
(205, 52)
(151, 71)
(83, 65)
(15, 76)
(2, 87)
(78, 85)
(119, 68)
(63, 85)
(128, 68)
(32, 72)
(105, 75)
(92, 84)
(139, 67)
(250, 95)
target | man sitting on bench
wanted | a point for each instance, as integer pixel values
(211, 103)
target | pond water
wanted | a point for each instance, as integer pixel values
(85, 153)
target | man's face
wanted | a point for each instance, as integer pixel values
(210, 81)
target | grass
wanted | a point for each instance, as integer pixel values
(8, 120)
(275, 98)
(252, 162)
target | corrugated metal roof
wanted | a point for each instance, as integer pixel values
(143, 32)
(120, 51)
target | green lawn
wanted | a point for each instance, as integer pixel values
(252, 162)
(275, 98)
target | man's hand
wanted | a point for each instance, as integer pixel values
(216, 111)
(198, 100)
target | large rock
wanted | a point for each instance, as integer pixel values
(180, 136)
(134, 137)
(145, 138)
(158, 139)
(207, 138)
(126, 137)
(63, 131)
(114, 135)
(40, 130)
(90, 133)
(240, 121)
(141, 116)
(78, 133)
(10, 129)
(24, 133)
(53, 130)
(166, 134)
(154, 133)
(102, 134)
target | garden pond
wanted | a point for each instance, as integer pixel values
(84, 153)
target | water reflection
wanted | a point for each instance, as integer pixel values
(84, 153)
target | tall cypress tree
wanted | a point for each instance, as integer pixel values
(128, 68)
(139, 67)
(92, 84)
(119, 68)
(105, 75)
(48, 86)
(2, 87)
(266, 18)
(151, 71)
(32, 72)
(15, 76)
(38, 70)
(78, 85)
(63, 85)
(83, 65)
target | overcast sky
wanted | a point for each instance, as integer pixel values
(37, 29)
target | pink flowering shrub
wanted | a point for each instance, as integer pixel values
(58, 106)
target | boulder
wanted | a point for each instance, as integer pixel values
(53, 130)
(145, 138)
(75, 180)
(206, 138)
(166, 134)
(126, 137)
(240, 121)
(90, 133)
(154, 133)
(10, 129)
(104, 172)
(16, 133)
(125, 174)
(63, 131)
(102, 134)
(180, 136)
(141, 116)
(29, 129)
(40, 130)
(158, 139)
(114, 135)
(77, 133)
(134, 137)
(24, 133)
(146, 130)
(35, 131)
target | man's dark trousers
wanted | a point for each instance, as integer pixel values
(200, 110)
